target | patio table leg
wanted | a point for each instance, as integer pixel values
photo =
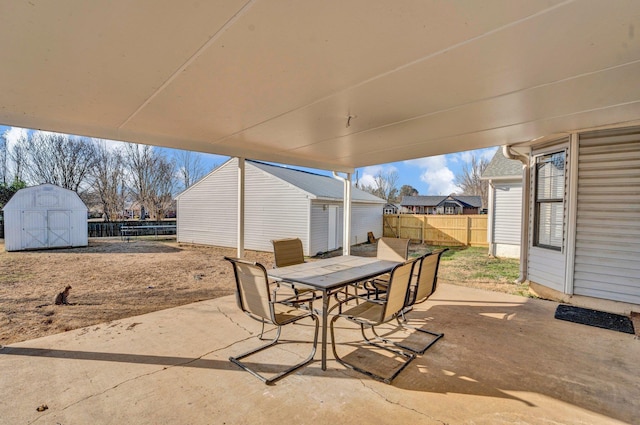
(325, 309)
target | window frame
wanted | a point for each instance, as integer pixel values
(538, 203)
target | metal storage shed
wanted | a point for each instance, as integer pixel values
(45, 216)
(280, 203)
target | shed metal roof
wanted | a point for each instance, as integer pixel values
(323, 187)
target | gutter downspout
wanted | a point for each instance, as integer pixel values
(346, 227)
(492, 245)
(241, 205)
(524, 224)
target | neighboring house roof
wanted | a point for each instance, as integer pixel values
(500, 166)
(434, 201)
(469, 201)
(422, 201)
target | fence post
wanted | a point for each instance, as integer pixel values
(468, 231)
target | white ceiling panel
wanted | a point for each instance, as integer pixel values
(278, 80)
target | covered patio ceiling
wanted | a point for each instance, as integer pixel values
(324, 84)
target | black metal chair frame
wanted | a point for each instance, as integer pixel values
(272, 318)
(422, 279)
(389, 308)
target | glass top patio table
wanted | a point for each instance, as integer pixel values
(329, 275)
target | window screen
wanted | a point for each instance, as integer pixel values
(549, 218)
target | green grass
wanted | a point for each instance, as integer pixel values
(472, 266)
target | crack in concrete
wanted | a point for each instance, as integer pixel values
(182, 364)
(233, 321)
(384, 398)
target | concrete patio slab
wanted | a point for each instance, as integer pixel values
(503, 360)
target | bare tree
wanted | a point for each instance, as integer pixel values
(190, 168)
(384, 185)
(108, 183)
(59, 159)
(18, 158)
(469, 179)
(4, 161)
(152, 179)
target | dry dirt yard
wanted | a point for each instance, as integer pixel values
(112, 279)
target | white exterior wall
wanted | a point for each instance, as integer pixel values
(319, 226)
(607, 249)
(602, 252)
(364, 218)
(274, 209)
(547, 266)
(207, 211)
(506, 214)
(45, 216)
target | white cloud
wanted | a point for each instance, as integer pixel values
(367, 175)
(465, 157)
(437, 175)
(13, 134)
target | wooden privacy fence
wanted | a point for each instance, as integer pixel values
(447, 230)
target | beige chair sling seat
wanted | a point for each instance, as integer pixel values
(255, 296)
(392, 249)
(289, 252)
(372, 312)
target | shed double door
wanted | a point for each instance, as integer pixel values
(45, 229)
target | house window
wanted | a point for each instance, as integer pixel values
(549, 201)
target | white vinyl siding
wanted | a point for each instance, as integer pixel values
(365, 218)
(608, 221)
(507, 213)
(207, 211)
(274, 209)
(318, 228)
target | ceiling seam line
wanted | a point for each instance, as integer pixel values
(230, 22)
(404, 66)
(464, 105)
(510, 125)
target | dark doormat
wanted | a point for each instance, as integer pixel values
(600, 319)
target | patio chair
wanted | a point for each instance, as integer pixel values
(420, 290)
(373, 312)
(391, 249)
(254, 297)
(289, 252)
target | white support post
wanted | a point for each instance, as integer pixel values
(240, 207)
(346, 243)
(346, 209)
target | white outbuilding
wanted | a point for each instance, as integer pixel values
(280, 203)
(45, 216)
(504, 229)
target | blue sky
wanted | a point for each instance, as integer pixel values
(433, 175)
